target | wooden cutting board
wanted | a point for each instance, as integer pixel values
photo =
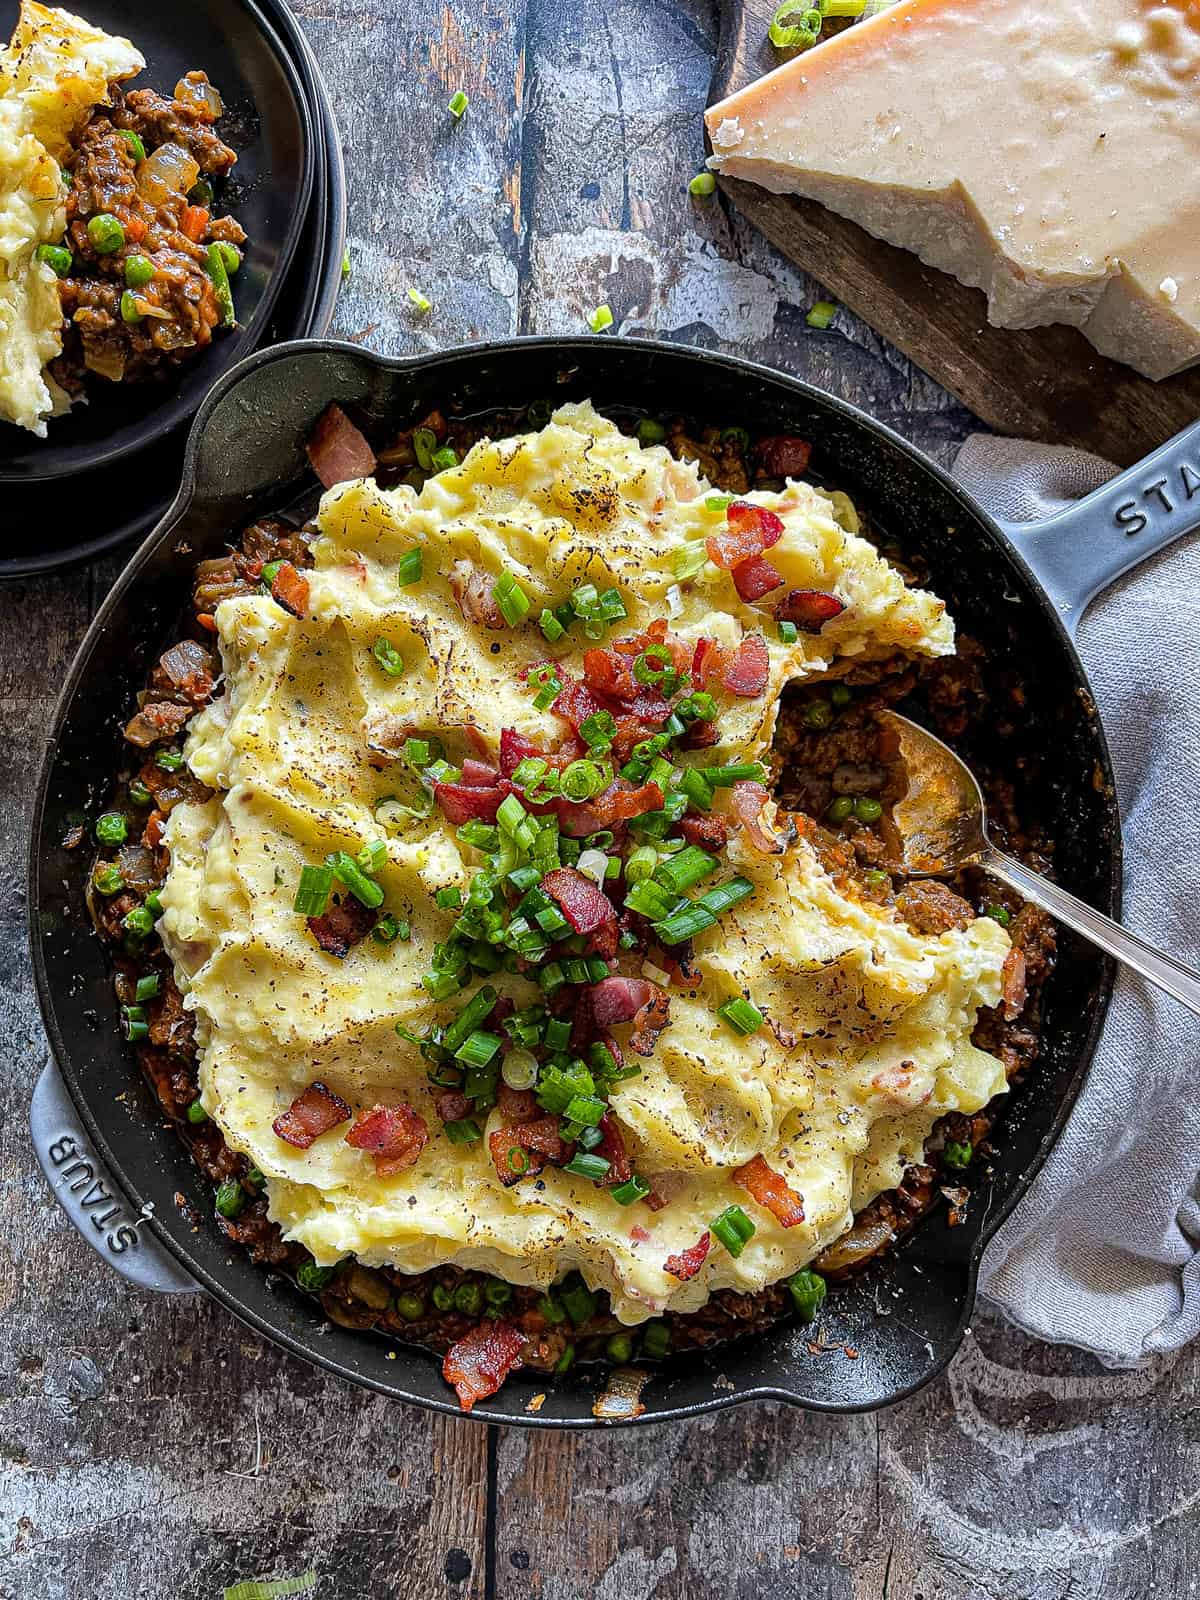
(1043, 383)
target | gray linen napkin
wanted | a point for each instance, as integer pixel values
(1104, 1251)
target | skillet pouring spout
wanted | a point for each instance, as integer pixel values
(904, 1315)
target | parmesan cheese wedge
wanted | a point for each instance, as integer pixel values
(1048, 155)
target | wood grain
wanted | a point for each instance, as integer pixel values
(1043, 383)
(154, 1450)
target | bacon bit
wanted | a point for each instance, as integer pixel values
(207, 620)
(688, 1262)
(746, 674)
(575, 704)
(748, 531)
(395, 1136)
(612, 1148)
(700, 735)
(1013, 990)
(337, 449)
(544, 1137)
(478, 775)
(655, 1201)
(784, 456)
(748, 800)
(639, 1234)
(809, 609)
(515, 748)
(771, 1191)
(340, 928)
(618, 999)
(479, 1363)
(755, 577)
(608, 673)
(472, 588)
(707, 659)
(538, 1141)
(617, 804)
(650, 1021)
(515, 1105)
(605, 941)
(452, 1106)
(310, 1115)
(460, 802)
(585, 906)
(709, 833)
(290, 590)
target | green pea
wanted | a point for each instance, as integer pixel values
(877, 880)
(255, 1178)
(231, 1198)
(196, 1112)
(139, 270)
(552, 1309)
(841, 808)
(565, 1361)
(410, 1306)
(650, 431)
(840, 695)
(468, 1298)
(312, 1277)
(867, 810)
(818, 714)
(130, 310)
(201, 193)
(808, 1293)
(230, 255)
(107, 880)
(956, 1155)
(111, 828)
(619, 1348)
(442, 1297)
(999, 914)
(105, 234)
(656, 1341)
(139, 794)
(736, 436)
(59, 260)
(136, 148)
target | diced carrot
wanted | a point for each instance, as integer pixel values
(192, 222)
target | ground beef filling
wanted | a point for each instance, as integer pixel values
(172, 316)
(820, 758)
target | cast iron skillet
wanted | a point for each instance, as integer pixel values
(269, 123)
(906, 1314)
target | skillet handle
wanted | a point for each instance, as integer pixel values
(1082, 549)
(93, 1203)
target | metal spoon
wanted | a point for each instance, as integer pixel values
(941, 825)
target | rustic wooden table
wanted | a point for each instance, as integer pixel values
(151, 1449)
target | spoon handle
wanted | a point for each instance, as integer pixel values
(1160, 969)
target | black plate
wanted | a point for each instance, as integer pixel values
(41, 522)
(906, 1313)
(269, 123)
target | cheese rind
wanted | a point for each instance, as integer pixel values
(1049, 156)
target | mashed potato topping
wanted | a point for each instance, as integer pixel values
(54, 70)
(868, 1024)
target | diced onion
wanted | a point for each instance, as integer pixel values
(202, 96)
(170, 170)
(108, 360)
(593, 864)
(656, 974)
(674, 601)
(622, 1399)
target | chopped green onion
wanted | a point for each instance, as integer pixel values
(565, 1361)
(583, 780)
(511, 814)
(388, 657)
(458, 103)
(345, 264)
(585, 1109)
(478, 1048)
(148, 987)
(598, 730)
(688, 559)
(111, 828)
(387, 930)
(418, 752)
(268, 575)
(134, 1023)
(600, 319)
(876, 879)
(822, 314)
(704, 183)
(468, 1298)
(548, 685)
(788, 633)
(723, 895)
(625, 1194)
(442, 1297)
(551, 627)
(139, 794)
(348, 873)
(551, 1309)
(465, 1131)
(808, 1293)
(685, 869)
(476, 1010)
(718, 502)
(312, 895)
(736, 772)
(999, 914)
(410, 1306)
(511, 598)
(448, 899)
(650, 899)
(519, 1069)
(697, 788)
(422, 302)
(741, 1015)
(444, 459)
(733, 1228)
(798, 36)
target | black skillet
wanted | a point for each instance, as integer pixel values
(906, 1314)
(269, 122)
